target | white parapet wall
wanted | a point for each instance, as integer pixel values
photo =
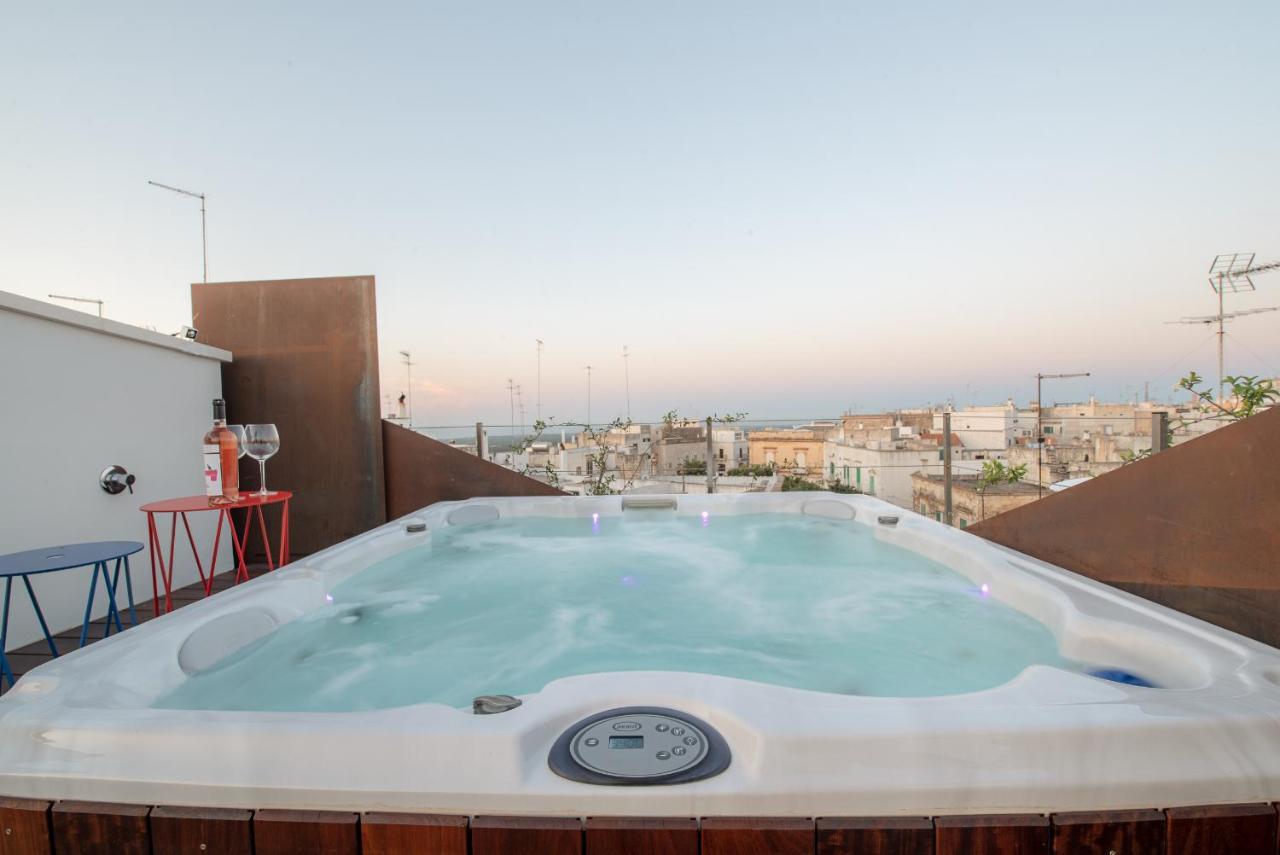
(77, 394)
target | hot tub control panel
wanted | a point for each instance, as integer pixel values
(637, 746)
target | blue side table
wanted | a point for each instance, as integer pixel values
(49, 559)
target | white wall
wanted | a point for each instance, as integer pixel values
(77, 394)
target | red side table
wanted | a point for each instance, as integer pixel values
(251, 502)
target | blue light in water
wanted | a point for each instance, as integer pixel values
(328, 598)
(1116, 675)
(985, 589)
(706, 519)
(595, 523)
(628, 581)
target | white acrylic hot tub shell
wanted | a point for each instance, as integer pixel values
(81, 726)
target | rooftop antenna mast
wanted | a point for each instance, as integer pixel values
(626, 373)
(77, 300)
(539, 405)
(408, 379)
(589, 369)
(204, 240)
(511, 400)
(1231, 272)
(1040, 378)
(520, 406)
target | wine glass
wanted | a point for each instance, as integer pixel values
(261, 441)
(238, 430)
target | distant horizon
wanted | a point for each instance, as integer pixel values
(796, 209)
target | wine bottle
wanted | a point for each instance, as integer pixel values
(221, 459)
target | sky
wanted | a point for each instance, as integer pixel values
(784, 209)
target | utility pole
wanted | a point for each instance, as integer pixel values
(711, 472)
(408, 379)
(589, 368)
(1040, 378)
(539, 408)
(204, 241)
(946, 466)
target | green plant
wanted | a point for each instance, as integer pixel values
(692, 466)
(839, 487)
(994, 472)
(1248, 394)
(754, 470)
(793, 483)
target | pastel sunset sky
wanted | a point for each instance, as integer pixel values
(789, 209)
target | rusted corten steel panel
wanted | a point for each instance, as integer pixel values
(305, 357)
(1193, 527)
(421, 471)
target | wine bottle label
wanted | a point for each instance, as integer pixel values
(212, 471)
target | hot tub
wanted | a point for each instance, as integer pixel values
(760, 654)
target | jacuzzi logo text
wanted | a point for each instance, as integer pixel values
(626, 725)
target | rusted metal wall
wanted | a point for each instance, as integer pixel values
(34, 827)
(1196, 527)
(306, 359)
(421, 471)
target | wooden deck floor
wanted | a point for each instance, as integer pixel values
(24, 659)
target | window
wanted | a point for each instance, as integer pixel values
(937, 515)
(801, 460)
(770, 455)
(859, 476)
(1048, 429)
(833, 469)
(722, 454)
(964, 523)
(872, 491)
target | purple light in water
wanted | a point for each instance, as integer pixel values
(706, 518)
(595, 523)
(328, 598)
(628, 581)
(595, 518)
(985, 589)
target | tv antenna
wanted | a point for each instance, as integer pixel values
(1230, 272)
(78, 300)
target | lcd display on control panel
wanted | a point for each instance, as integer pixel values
(626, 742)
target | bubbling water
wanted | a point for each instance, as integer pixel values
(508, 606)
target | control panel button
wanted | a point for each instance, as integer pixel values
(663, 755)
(679, 750)
(661, 728)
(592, 742)
(691, 740)
(677, 731)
